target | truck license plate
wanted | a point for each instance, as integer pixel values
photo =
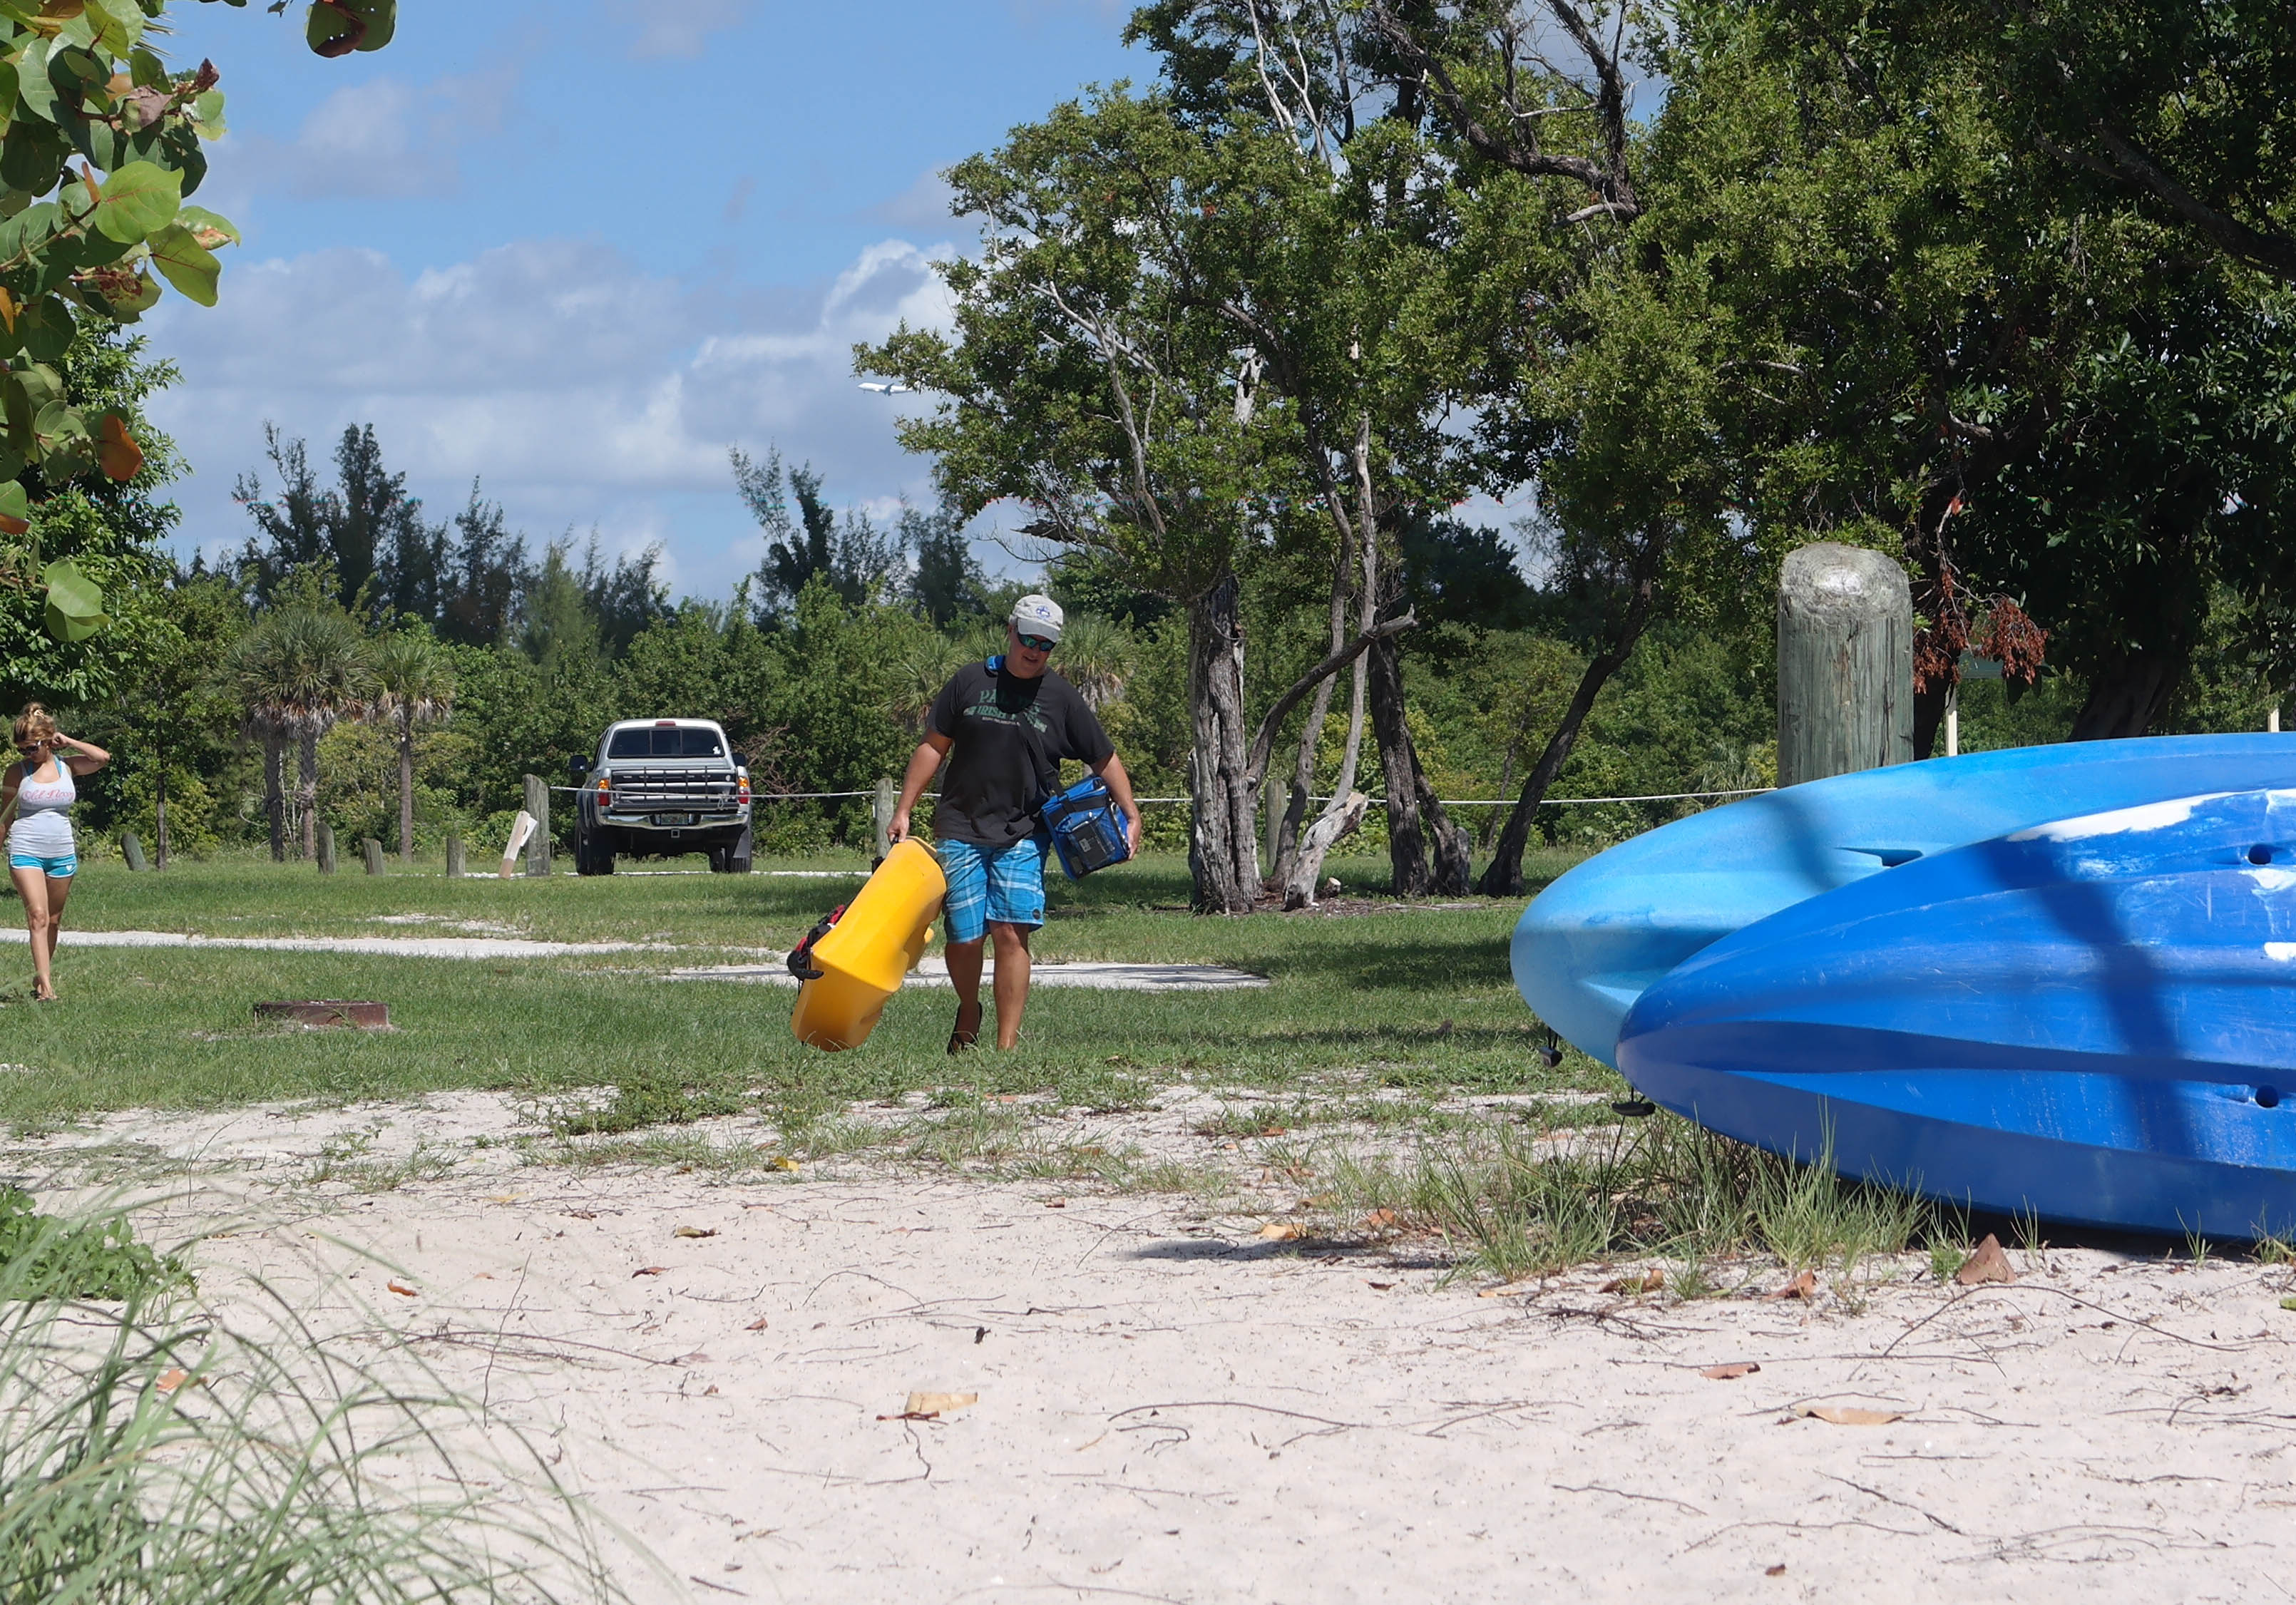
(673, 819)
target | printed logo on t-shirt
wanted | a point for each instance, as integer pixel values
(986, 707)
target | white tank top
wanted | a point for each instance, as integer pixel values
(42, 826)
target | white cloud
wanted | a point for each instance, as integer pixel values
(674, 27)
(383, 137)
(582, 389)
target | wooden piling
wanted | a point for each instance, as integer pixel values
(1845, 663)
(132, 849)
(455, 856)
(325, 833)
(374, 851)
(537, 845)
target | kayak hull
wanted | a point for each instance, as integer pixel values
(864, 957)
(2093, 1019)
(1594, 941)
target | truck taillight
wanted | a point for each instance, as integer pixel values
(605, 788)
(742, 789)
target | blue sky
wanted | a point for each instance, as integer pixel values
(580, 249)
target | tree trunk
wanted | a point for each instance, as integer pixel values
(1447, 843)
(1223, 846)
(1406, 843)
(406, 786)
(1503, 876)
(2126, 695)
(1283, 823)
(306, 790)
(275, 792)
(1307, 865)
(1340, 815)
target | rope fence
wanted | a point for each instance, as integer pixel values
(1448, 802)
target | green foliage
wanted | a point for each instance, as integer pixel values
(42, 1257)
(77, 253)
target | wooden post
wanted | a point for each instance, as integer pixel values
(888, 794)
(374, 851)
(326, 835)
(132, 849)
(454, 856)
(1845, 663)
(537, 845)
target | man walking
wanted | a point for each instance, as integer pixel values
(1005, 726)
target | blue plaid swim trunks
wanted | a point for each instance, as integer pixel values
(1005, 884)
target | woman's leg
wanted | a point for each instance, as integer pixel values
(59, 894)
(32, 886)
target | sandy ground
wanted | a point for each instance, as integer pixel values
(1171, 1407)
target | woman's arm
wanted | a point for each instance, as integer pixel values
(85, 759)
(10, 783)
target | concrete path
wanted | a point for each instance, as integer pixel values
(1106, 977)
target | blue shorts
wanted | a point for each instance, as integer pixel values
(1004, 884)
(61, 868)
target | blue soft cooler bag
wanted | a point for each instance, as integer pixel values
(1087, 827)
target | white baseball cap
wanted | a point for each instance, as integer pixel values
(1038, 616)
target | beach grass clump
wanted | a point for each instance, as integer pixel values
(42, 1257)
(1517, 1204)
(150, 1454)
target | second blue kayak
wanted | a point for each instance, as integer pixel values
(1596, 940)
(2094, 1019)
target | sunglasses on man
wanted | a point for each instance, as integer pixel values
(1037, 643)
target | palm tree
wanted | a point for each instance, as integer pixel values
(297, 673)
(414, 683)
(1096, 656)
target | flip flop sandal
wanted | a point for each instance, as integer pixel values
(965, 1036)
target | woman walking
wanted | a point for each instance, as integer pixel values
(42, 859)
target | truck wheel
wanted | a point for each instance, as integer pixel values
(738, 854)
(591, 856)
(720, 859)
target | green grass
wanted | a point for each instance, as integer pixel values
(151, 1454)
(1420, 1000)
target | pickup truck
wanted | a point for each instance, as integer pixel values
(660, 787)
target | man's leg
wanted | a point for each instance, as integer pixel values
(1011, 977)
(964, 930)
(964, 974)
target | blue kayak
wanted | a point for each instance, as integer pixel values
(2094, 1019)
(1596, 940)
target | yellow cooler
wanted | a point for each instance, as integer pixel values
(859, 961)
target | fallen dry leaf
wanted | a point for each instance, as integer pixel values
(1987, 1263)
(783, 1162)
(696, 1358)
(1283, 1231)
(649, 1270)
(482, 1275)
(1056, 1203)
(505, 1197)
(583, 1215)
(694, 1232)
(1734, 1369)
(1650, 1282)
(1380, 1218)
(401, 1288)
(1849, 1415)
(1274, 1131)
(1804, 1286)
(757, 1325)
(1779, 1570)
(939, 1403)
(1381, 1286)
(171, 1379)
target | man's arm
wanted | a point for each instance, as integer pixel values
(923, 764)
(1119, 787)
